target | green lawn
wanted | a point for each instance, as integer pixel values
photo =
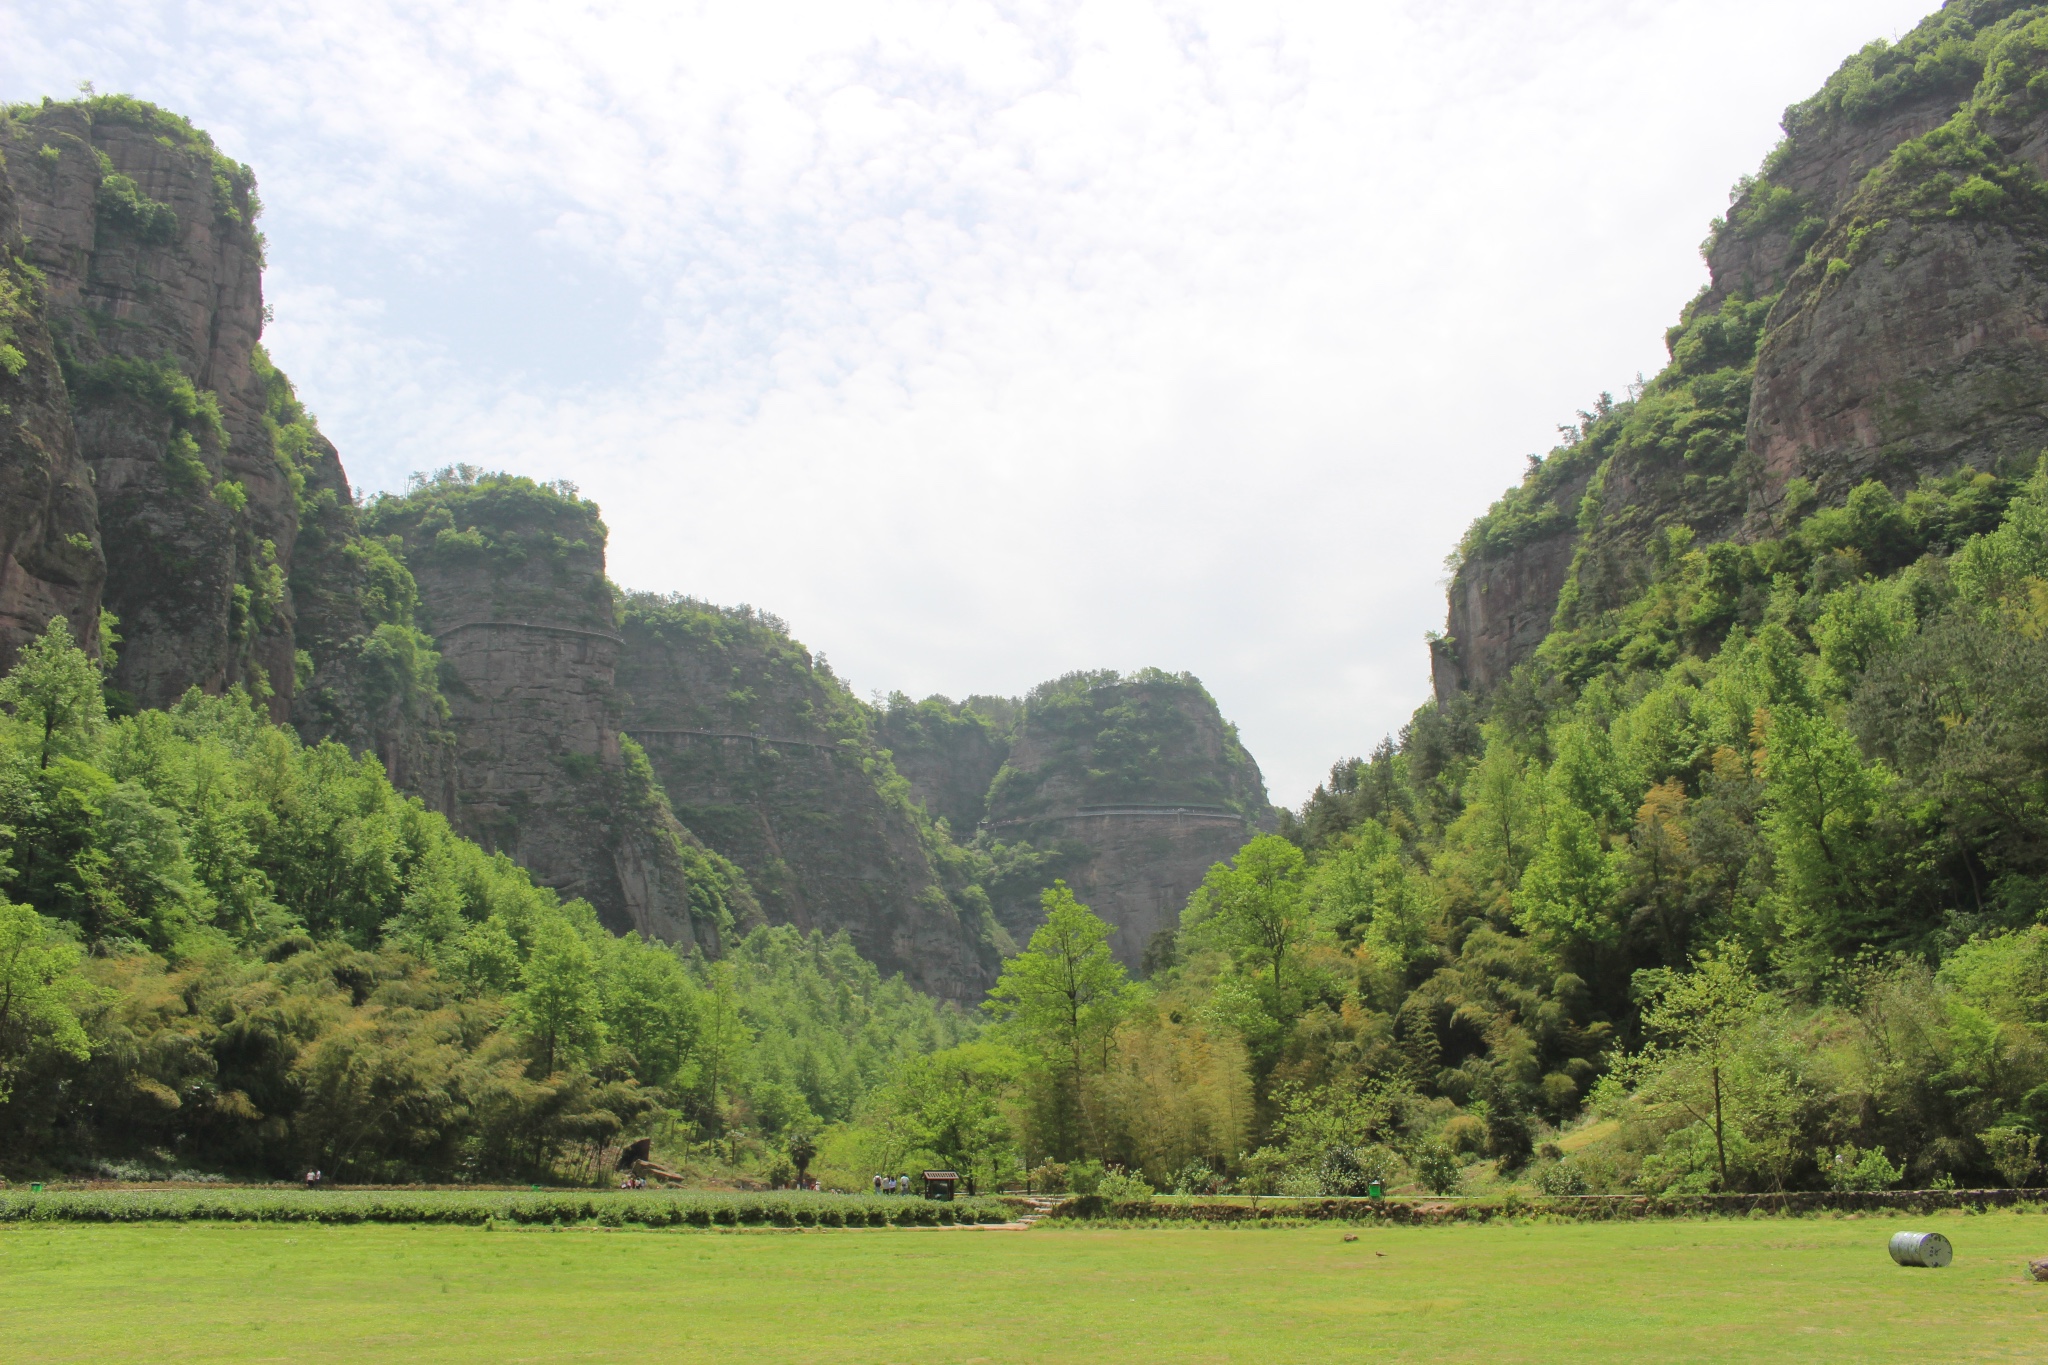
(1807, 1289)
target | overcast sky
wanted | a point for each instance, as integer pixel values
(985, 342)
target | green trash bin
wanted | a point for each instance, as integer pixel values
(1373, 1191)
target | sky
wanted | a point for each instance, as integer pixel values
(987, 342)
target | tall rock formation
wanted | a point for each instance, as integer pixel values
(949, 752)
(770, 760)
(512, 590)
(152, 272)
(152, 458)
(144, 416)
(50, 562)
(1878, 308)
(1129, 789)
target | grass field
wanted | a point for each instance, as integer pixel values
(1771, 1289)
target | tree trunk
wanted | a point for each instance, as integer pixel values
(1720, 1147)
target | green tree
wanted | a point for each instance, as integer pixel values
(802, 1152)
(722, 1044)
(1061, 999)
(558, 1007)
(1568, 892)
(54, 694)
(40, 992)
(1696, 1022)
(1254, 908)
(950, 1104)
(1821, 802)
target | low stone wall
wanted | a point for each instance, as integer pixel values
(1590, 1207)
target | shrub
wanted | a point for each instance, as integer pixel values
(1048, 1177)
(2012, 1152)
(123, 203)
(1349, 1172)
(1438, 1168)
(1560, 1178)
(1119, 1184)
(615, 1208)
(1856, 1168)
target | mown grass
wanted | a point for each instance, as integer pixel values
(1759, 1289)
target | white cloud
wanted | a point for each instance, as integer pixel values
(983, 341)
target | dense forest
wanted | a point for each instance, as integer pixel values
(1718, 862)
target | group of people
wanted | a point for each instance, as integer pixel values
(892, 1184)
(313, 1179)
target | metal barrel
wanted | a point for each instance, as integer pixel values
(1930, 1249)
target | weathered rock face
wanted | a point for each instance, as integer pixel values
(1878, 310)
(1501, 608)
(151, 422)
(949, 752)
(1776, 218)
(770, 761)
(151, 456)
(512, 590)
(154, 302)
(1131, 788)
(1929, 354)
(50, 559)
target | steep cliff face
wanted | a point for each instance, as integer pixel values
(949, 752)
(153, 296)
(50, 558)
(148, 420)
(151, 456)
(1129, 788)
(1876, 310)
(512, 591)
(1502, 597)
(769, 760)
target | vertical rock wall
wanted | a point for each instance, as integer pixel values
(1878, 309)
(770, 761)
(513, 593)
(50, 558)
(153, 298)
(1130, 788)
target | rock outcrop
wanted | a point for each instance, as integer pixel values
(50, 558)
(152, 272)
(949, 752)
(1878, 309)
(1128, 788)
(512, 591)
(154, 460)
(768, 758)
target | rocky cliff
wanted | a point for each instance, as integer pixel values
(152, 458)
(143, 416)
(512, 591)
(1876, 309)
(152, 294)
(1129, 788)
(949, 752)
(772, 762)
(51, 563)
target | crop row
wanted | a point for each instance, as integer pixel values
(638, 1208)
(1591, 1208)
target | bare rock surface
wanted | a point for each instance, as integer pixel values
(767, 758)
(51, 563)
